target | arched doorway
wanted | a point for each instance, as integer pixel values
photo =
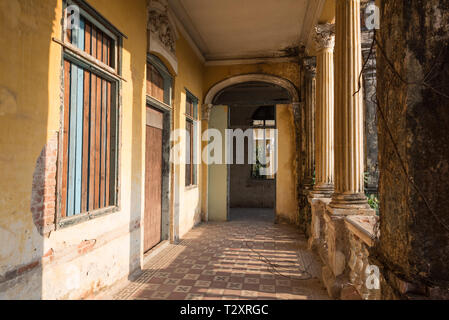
(254, 108)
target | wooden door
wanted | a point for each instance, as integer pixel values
(153, 179)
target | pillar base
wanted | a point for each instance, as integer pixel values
(349, 201)
(322, 191)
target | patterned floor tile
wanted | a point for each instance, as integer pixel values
(240, 259)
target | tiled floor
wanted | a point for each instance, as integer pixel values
(241, 259)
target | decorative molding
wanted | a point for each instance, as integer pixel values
(187, 24)
(290, 87)
(162, 33)
(229, 62)
(188, 30)
(324, 36)
(187, 36)
(159, 24)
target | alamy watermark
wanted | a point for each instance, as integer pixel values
(372, 273)
(372, 17)
(261, 149)
(72, 17)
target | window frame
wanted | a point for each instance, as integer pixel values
(193, 120)
(168, 83)
(83, 60)
(264, 127)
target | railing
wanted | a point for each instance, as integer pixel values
(343, 242)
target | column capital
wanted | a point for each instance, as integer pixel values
(324, 36)
(205, 111)
(309, 64)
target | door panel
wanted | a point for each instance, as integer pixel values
(153, 182)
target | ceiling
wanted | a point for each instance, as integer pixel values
(242, 29)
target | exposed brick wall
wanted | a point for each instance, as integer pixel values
(43, 196)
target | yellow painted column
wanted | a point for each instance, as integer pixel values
(324, 118)
(349, 126)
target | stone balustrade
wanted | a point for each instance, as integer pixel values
(342, 241)
(363, 276)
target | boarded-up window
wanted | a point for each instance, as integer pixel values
(155, 83)
(93, 41)
(90, 121)
(89, 132)
(159, 82)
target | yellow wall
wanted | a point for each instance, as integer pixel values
(29, 116)
(29, 91)
(286, 180)
(30, 102)
(190, 77)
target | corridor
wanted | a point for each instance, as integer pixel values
(241, 259)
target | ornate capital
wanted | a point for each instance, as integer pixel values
(205, 111)
(160, 25)
(325, 36)
(309, 64)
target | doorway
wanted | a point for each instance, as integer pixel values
(153, 178)
(251, 92)
(252, 188)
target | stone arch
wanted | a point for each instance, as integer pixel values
(253, 77)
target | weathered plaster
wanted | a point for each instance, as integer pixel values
(286, 178)
(414, 244)
(78, 260)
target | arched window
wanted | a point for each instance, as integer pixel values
(159, 82)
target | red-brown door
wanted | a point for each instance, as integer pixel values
(153, 179)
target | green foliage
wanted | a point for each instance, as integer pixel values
(373, 201)
(366, 177)
(258, 166)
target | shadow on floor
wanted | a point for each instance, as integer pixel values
(232, 260)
